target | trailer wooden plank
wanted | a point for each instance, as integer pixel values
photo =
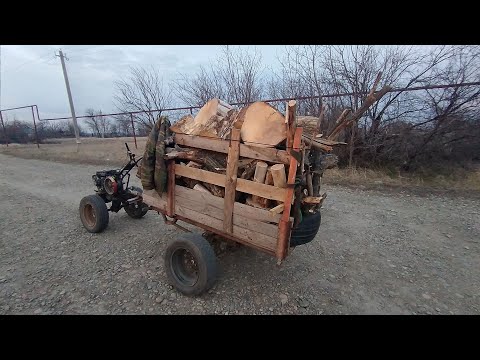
(220, 145)
(285, 223)
(204, 207)
(262, 190)
(231, 180)
(248, 236)
(290, 123)
(156, 200)
(171, 188)
(246, 186)
(238, 208)
(223, 234)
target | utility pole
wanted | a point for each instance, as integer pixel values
(0, 76)
(1, 117)
(67, 84)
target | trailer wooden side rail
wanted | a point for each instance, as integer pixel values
(255, 227)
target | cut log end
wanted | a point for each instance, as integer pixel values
(260, 172)
(278, 209)
(201, 188)
(312, 199)
(278, 174)
(259, 177)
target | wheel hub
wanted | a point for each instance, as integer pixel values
(184, 267)
(89, 215)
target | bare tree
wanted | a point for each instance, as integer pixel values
(105, 124)
(124, 126)
(452, 115)
(234, 76)
(197, 89)
(142, 90)
(97, 123)
(113, 129)
(316, 70)
(240, 72)
(299, 74)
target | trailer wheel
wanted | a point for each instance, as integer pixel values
(190, 264)
(306, 230)
(93, 213)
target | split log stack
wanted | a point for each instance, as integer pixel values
(253, 132)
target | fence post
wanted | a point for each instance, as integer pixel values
(4, 131)
(35, 126)
(133, 128)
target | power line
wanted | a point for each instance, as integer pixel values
(15, 70)
(426, 87)
(87, 50)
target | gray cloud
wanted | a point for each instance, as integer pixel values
(30, 74)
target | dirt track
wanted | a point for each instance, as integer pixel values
(376, 254)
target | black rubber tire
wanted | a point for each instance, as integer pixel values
(93, 213)
(306, 230)
(136, 212)
(204, 258)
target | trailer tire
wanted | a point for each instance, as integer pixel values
(190, 264)
(93, 213)
(306, 230)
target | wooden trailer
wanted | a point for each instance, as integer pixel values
(258, 228)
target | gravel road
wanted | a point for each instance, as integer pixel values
(376, 253)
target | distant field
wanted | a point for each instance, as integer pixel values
(90, 151)
(111, 151)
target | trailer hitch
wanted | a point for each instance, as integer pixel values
(174, 223)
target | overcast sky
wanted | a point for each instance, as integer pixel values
(31, 74)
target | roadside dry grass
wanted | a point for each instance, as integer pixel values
(454, 179)
(112, 152)
(93, 151)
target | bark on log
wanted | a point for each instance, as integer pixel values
(309, 183)
(342, 116)
(212, 160)
(215, 190)
(194, 165)
(318, 128)
(269, 177)
(249, 170)
(317, 144)
(317, 183)
(371, 98)
(264, 202)
(312, 199)
(290, 117)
